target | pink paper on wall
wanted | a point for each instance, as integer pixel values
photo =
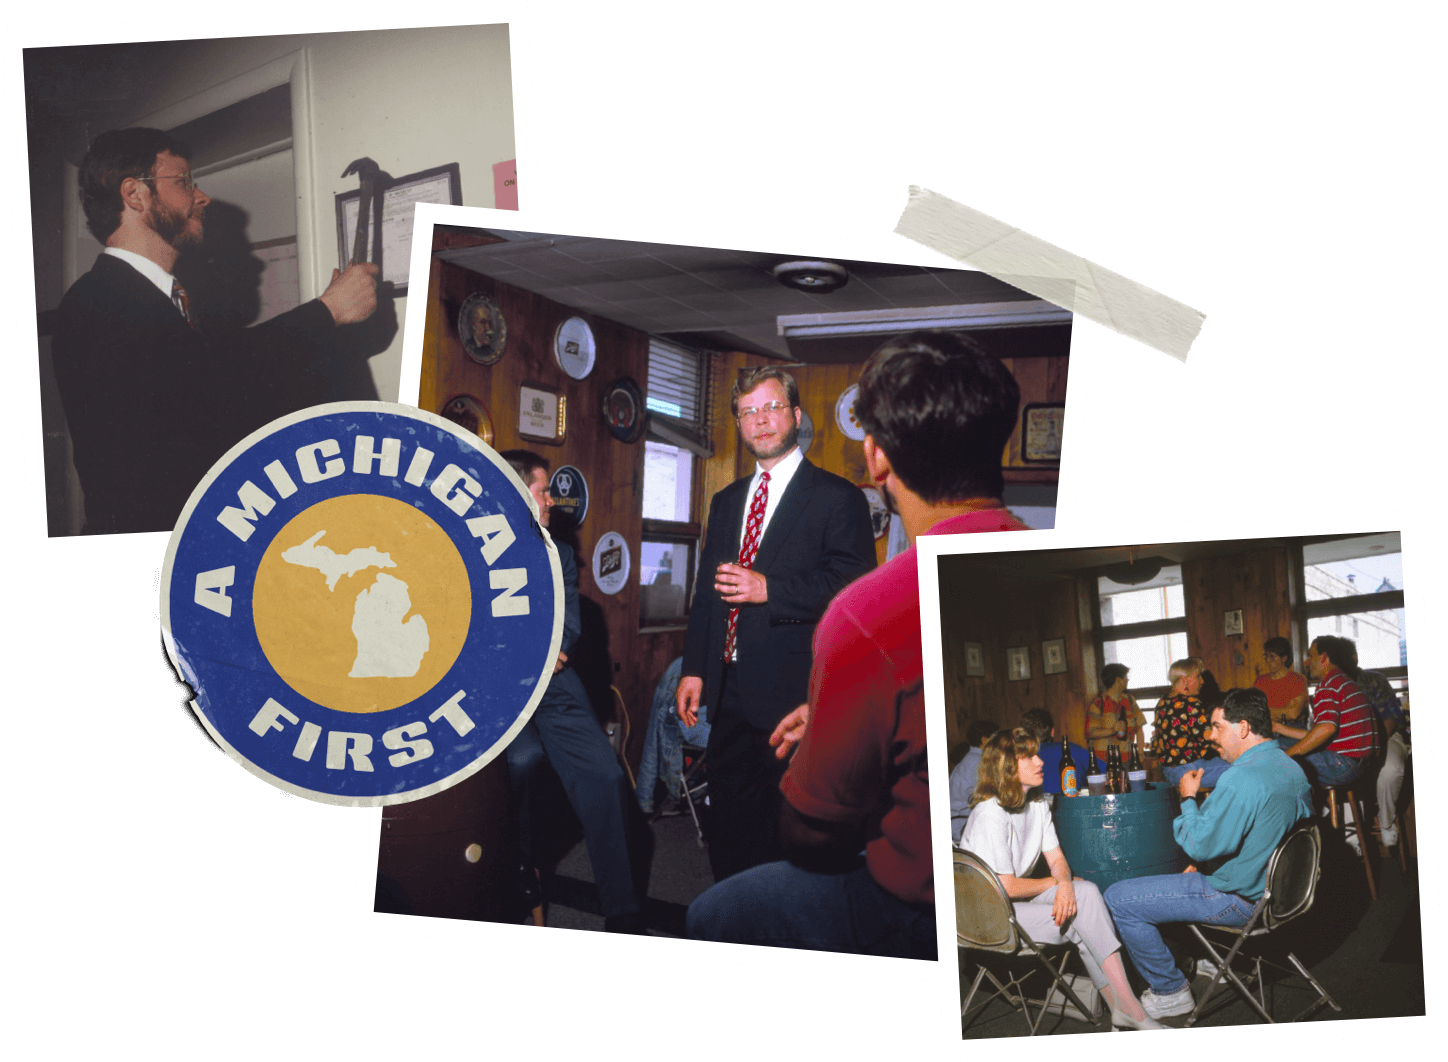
(505, 185)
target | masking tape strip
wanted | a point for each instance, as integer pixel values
(1046, 271)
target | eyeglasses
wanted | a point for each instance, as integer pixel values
(187, 181)
(769, 408)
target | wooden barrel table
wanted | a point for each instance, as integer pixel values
(1107, 839)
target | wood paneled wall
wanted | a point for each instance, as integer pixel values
(1000, 612)
(1259, 584)
(612, 650)
(1001, 609)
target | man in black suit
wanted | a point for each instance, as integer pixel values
(150, 400)
(780, 544)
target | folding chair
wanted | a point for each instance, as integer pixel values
(694, 784)
(985, 920)
(1292, 875)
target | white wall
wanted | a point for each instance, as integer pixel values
(408, 99)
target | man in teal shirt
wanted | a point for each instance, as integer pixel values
(1231, 838)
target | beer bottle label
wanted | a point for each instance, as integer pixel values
(1068, 781)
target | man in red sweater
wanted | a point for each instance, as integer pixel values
(855, 822)
(1341, 738)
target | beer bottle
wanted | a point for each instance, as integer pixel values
(1113, 768)
(1135, 758)
(1068, 770)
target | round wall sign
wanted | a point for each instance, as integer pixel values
(482, 329)
(611, 563)
(845, 414)
(570, 493)
(806, 432)
(623, 410)
(879, 511)
(358, 596)
(573, 347)
(471, 415)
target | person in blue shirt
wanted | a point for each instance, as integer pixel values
(963, 777)
(1039, 720)
(1230, 840)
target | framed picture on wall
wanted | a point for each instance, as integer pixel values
(974, 660)
(1018, 663)
(1053, 656)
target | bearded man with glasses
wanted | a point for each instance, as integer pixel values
(150, 399)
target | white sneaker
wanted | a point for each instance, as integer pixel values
(1207, 968)
(1388, 836)
(1169, 1006)
(1354, 843)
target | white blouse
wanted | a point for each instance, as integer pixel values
(1010, 842)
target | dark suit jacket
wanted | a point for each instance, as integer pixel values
(566, 687)
(818, 540)
(151, 403)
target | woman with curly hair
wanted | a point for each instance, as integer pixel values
(1182, 736)
(1010, 833)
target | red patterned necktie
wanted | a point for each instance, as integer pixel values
(752, 526)
(182, 301)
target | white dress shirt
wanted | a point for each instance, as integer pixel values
(163, 280)
(779, 477)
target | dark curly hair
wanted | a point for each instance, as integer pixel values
(942, 409)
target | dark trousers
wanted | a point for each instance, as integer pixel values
(569, 735)
(744, 794)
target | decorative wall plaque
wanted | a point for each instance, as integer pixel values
(1041, 432)
(467, 412)
(611, 563)
(542, 413)
(623, 410)
(482, 329)
(573, 347)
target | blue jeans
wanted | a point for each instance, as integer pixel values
(1324, 768)
(566, 734)
(1212, 769)
(1140, 905)
(782, 906)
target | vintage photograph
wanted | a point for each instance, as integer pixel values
(202, 265)
(1207, 817)
(735, 450)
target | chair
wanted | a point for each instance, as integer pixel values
(985, 921)
(1359, 821)
(694, 784)
(1292, 875)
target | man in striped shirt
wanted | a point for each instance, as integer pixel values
(1341, 739)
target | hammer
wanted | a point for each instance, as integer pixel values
(368, 173)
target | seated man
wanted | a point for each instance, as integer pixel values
(855, 820)
(1230, 838)
(1381, 696)
(962, 778)
(1342, 739)
(1040, 722)
(565, 732)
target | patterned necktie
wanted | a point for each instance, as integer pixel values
(182, 301)
(753, 524)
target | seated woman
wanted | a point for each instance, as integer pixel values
(1286, 689)
(1010, 833)
(1182, 739)
(1113, 717)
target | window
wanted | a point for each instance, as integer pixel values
(1353, 587)
(678, 435)
(1144, 626)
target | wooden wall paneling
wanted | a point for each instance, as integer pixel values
(1257, 582)
(614, 652)
(1040, 380)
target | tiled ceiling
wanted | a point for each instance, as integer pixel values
(715, 298)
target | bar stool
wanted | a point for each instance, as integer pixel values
(1350, 799)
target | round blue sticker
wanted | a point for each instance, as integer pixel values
(363, 600)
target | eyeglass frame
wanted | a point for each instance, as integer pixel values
(187, 181)
(769, 408)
